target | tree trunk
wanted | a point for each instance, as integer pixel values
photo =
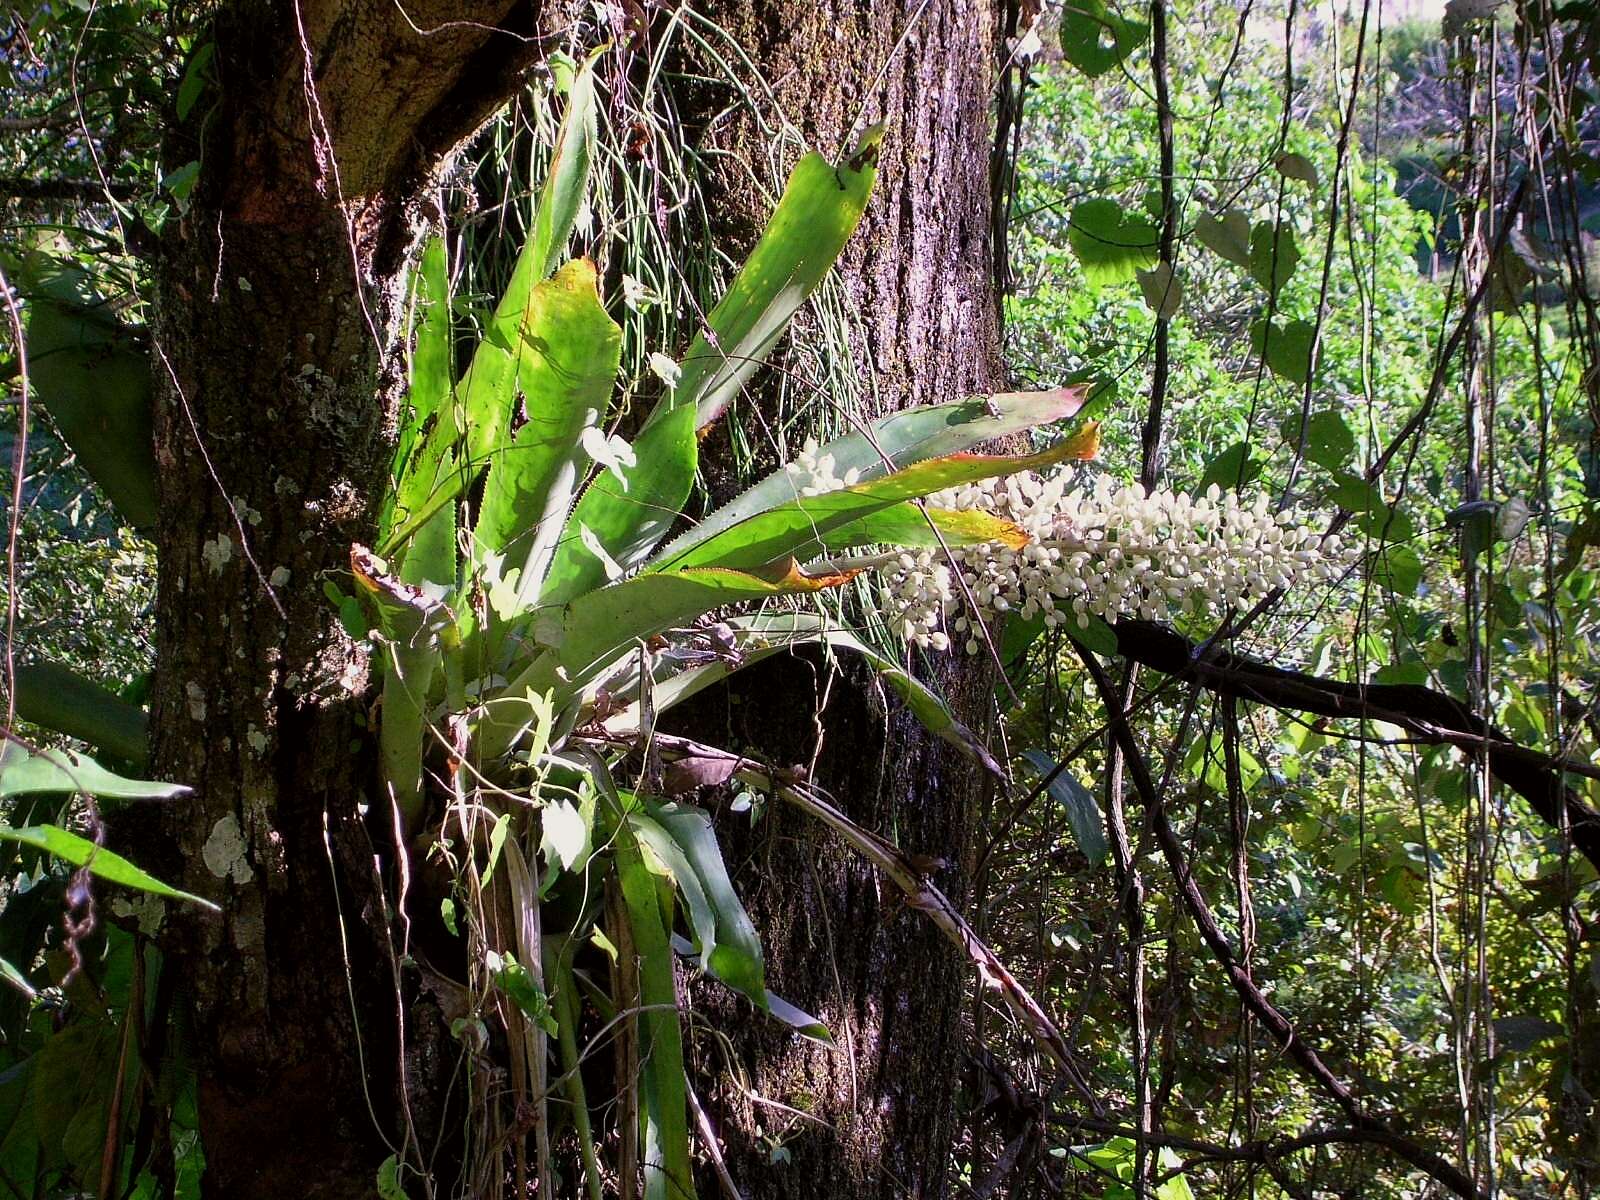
(877, 1117)
(279, 297)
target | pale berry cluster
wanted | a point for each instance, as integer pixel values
(813, 476)
(1108, 551)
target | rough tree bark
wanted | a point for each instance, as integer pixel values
(276, 317)
(879, 1113)
(276, 313)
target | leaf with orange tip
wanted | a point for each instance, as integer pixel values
(804, 527)
(603, 626)
(895, 442)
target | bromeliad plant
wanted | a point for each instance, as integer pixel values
(533, 620)
(534, 608)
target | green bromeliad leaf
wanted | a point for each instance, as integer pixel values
(567, 183)
(627, 517)
(907, 524)
(820, 209)
(764, 634)
(64, 772)
(898, 441)
(566, 379)
(682, 837)
(597, 629)
(802, 527)
(101, 863)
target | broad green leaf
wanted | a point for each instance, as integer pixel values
(729, 945)
(1387, 524)
(1095, 38)
(389, 1187)
(820, 209)
(1112, 244)
(416, 626)
(566, 833)
(62, 771)
(472, 424)
(1329, 441)
(801, 527)
(1398, 570)
(1273, 256)
(1096, 634)
(16, 979)
(906, 524)
(1356, 494)
(1162, 291)
(517, 982)
(194, 79)
(573, 349)
(562, 196)
(598, 628)
(431, 367)
(93, 376)
(802, 1022)
(1079, 803)
(1285, 348)
(1296, 166)
(667, 1172)
(1227, 236)
(898, 441)
(52, 696)
(102, 863)
(1231, 469)
(627, 520)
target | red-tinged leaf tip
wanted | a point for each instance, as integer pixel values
(1056, 403)
(1085, 443)
(786, 573)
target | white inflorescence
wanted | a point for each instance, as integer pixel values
(1107, 551)
(813, 476)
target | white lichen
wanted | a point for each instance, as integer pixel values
(257, 739)
(197, 700)
(146, 911)
(279, 576)
(217, 552)
(224, 851)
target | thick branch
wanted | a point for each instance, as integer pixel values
(1430, 716)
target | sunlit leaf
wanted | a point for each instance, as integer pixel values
(1227, 235)
(92, 375)
(63, 771)
(1095, 37)
(100, 862)
(820, 208)
(561, 197)
(572, 349)
(1112, 244)
(897, 441)
(1273, 256)
(1285, 348)
(801, 526)
(1162, 290)
(682, 836)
